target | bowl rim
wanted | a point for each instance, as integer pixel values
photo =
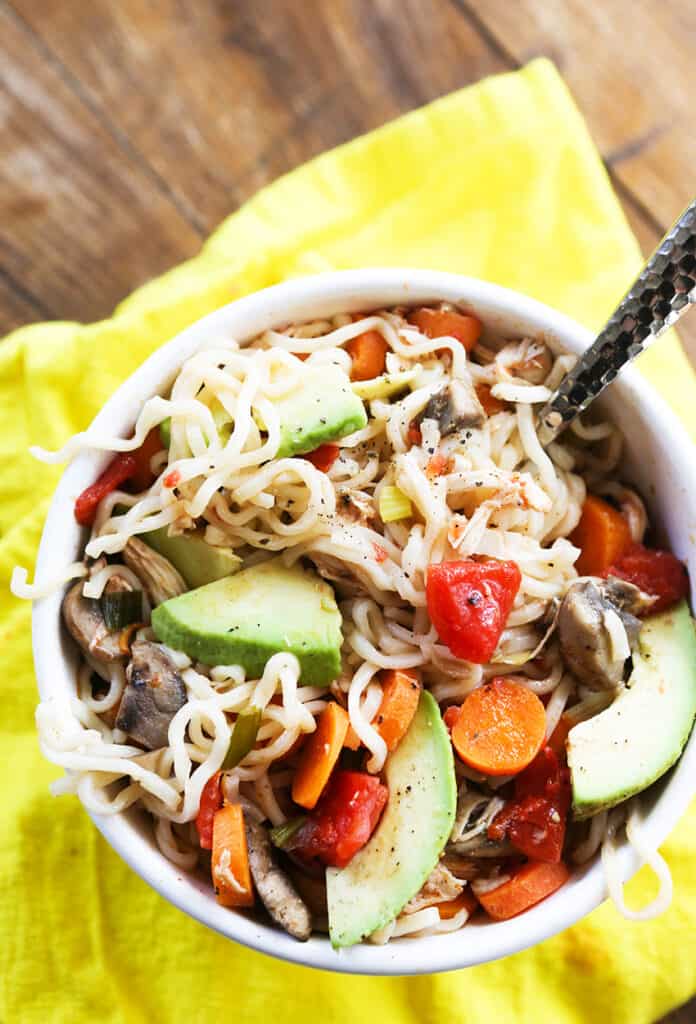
(336, 290)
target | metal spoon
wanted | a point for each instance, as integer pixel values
(663, 291)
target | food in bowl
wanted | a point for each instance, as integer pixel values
(369, 656)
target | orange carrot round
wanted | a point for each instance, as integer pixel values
(531, 884)
(400, 695)
(464, 901)
(441, 323)
(319, 755)
(603, 536)
(500, 728)
(368, 352)
(230, 858)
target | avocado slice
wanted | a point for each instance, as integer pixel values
(197, 561)
(383, 876)
(247, 618)
(623, 750)
(324, 409)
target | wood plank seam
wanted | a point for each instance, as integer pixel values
(626, 193)
(118, 136)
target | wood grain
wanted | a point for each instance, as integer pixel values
(241, 96)
(631, 68)
(81, 221)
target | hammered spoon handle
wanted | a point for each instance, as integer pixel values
(664, 290)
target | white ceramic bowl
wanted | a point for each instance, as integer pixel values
(659, 461)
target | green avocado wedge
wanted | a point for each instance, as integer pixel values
(323, 409)
(247, 618)
(197, 561)
(416, 824)
(626, 748)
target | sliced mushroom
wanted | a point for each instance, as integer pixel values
(277, 892)
(83, 617)
(454, 407)
(156, 573)
(154, 693)
(586, 630)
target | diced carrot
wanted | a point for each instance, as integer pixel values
(439, 323)
(352, 740)
(319, 755)
(230, 860)
(603, 536)
(531, 884)
(368, 352)
(401, 690)
(557, 739)
(500, 728)
(464, 901)
(491, 404)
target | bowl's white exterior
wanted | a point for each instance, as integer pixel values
(659, 459)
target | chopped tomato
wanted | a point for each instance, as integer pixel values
(343, 820)
(211, 801)
(535, 821)
(323, 457)
(657, 573)
(414, 435)
(116, 473)
(172, 479)
(469, 603)
(441, 323)
(451, 715)
(143, 476)
(438, 465)
(381, 554)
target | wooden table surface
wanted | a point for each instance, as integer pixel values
(132, 127)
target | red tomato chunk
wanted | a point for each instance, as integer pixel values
(469, 603)
(211, 801)
(127, 466)
(324, 456)
(116, 473)
(343, 820)
(535, 821)
(658, 573)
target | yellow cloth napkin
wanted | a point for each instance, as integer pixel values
(500, 181)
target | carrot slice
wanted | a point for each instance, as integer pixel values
(230, 860)
(319, 755)
(440, 323)
(532, 883)
(368, 352)
(491, 404)
(500, 728)
(464, 901)
(603, 536)
(400, 695)
(352, 740)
